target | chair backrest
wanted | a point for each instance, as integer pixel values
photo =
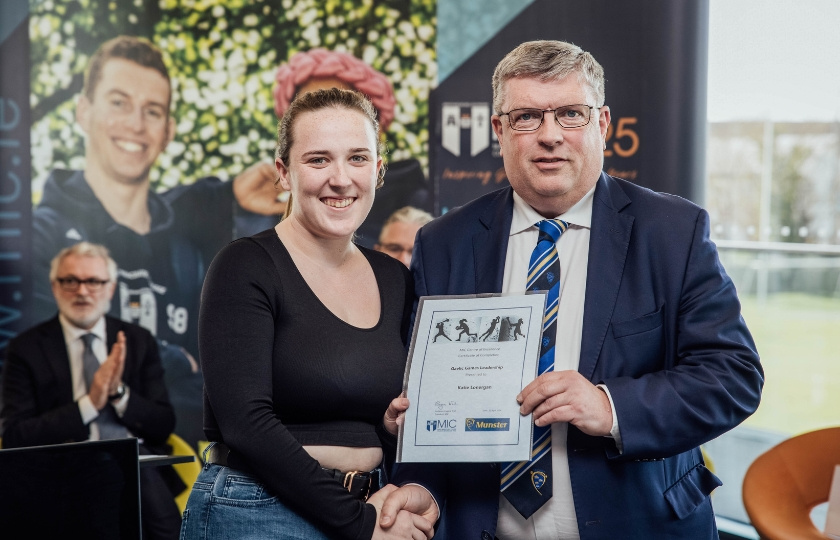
(783, 484)
(188, 472)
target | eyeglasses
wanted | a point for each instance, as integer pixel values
(397, 249)
(568, 116)
(72, 284)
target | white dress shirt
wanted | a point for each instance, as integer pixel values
(556, 519)
(75, 350)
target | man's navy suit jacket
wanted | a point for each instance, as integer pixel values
(38, 399)
(662, 329)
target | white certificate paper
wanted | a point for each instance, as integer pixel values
(469, 358)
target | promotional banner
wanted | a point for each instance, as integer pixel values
(15, 203)
(654, 58)
(150, 127)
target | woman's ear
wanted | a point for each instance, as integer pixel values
(283, 177)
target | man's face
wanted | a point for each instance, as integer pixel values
(397, 240)
(551, 168)
(84, 306)
(127, 123)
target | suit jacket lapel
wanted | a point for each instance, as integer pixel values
(57, 360)
(490, 245)
(608, 245)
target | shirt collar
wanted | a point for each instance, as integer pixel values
(525, 217)
(73, 332)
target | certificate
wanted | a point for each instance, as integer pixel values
(469, 359)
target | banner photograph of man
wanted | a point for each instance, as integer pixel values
(162, 242)
(167, 171)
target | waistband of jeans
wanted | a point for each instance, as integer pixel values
(360, 484)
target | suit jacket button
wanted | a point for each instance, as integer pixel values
(486, 535)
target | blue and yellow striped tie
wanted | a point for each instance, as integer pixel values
(527, 484)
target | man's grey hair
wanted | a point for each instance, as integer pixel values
(548, 61)
(84, 249)
(408, 214)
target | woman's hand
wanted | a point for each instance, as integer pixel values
(395, 414)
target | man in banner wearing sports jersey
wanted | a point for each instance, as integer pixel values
(162, 243)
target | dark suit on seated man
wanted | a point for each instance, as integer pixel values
(648, 355)
(60, 383)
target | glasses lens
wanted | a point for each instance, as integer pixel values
(68, 284)
(396, 248)
(572, 116)
(525, 119)
(73, 284)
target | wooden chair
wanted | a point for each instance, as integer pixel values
(187, 471)
(784, 484)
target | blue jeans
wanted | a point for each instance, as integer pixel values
(226, 503)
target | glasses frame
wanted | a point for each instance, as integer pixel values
(93, 284)
(396, 248)
(556, 119)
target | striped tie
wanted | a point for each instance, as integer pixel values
(527, 484)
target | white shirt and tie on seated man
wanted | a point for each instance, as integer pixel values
(61, 383)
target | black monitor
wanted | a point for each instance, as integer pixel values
(85, 490)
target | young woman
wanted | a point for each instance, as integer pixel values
(302, 339)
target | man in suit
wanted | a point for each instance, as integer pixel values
(60, 383)
(651, 357)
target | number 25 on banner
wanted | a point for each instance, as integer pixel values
(623, 131)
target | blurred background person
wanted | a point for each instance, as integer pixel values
(62, 385)
(397, 235)
(318, 68)
(303, 337)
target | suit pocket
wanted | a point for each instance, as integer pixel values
(638, 326)
(691, 490)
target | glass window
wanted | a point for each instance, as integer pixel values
(773, 193)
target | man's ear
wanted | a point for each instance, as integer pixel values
(496, 122)
(83, 113)
(283, 175)
(170, 132)
(111, 287)
(604, 120)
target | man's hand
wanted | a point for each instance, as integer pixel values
(108, 376)
(395, 415)
(409, 514)
(566, 396)
(255, 191)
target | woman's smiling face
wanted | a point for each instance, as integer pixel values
(331, 171)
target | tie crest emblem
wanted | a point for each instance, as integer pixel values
(538, 479)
